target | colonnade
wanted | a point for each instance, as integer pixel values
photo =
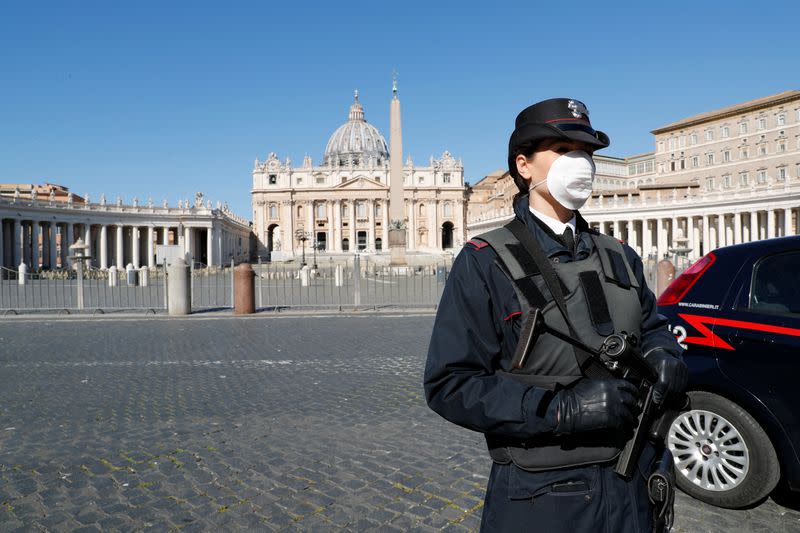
(656, 235)
(42, 244)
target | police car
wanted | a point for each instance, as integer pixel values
(736, 311)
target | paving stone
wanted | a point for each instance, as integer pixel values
(318, 425)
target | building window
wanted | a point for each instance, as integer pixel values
(361, 209)
(378, 244)
(683, 164)
(762, 149)
(744, 179)
(378, 210)
(273, 211)
(710, 159)
(693, 139)
(661, 144)
(422, 210)
(345, 245)
(726, 181)
(743, 128)
(345, 210)
(361, 237)
(710, 184)
(709, 135)
(743, 153)
(782, 174)
(321, 211)
(299, 211)
(631, 170)
(762, 123)
(446, 177)
(726, 132)
(273, 179)
(421, 179)
(378, 179)
(299, 180)
(726, 156)
(673, 143)
(448, 209)
(797, 170)
(695, 161)
(781, 119)
(682, 141)
(661, 168)
(320, 180)
(762, 176)
(781, 146)
(672, 166)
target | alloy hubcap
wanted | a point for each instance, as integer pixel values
(708, 450)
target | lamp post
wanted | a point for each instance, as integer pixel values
(315, 250)
(300, 235)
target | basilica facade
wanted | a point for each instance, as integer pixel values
(341, 205)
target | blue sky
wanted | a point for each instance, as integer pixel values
(164, 99)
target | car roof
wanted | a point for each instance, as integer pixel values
(760, 247)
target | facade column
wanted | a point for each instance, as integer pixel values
(385, 225)
(754, 226)
(706, 235)
(787, 222)
(615, 226)
(647, 239)
(104, 247)
(696, 241)
(218, 237)
(151, 261)
(289, 239)
(87, 240)
(120, 259)
(165, 235)
(371, 229)
(720, 231)
(353, 243)
(135, 246)
(412, 225)
(675, 226)
(35, 245)
(770, 223)
(310, 219)
(633, 237)
(53, 243)
(690, 234)
(336, 245)
(737, 228)
(17, 243)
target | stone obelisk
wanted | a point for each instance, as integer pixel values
(397, 224)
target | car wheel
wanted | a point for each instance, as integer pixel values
(722, 455)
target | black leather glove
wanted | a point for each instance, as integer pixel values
(673, 376)
(592, 404)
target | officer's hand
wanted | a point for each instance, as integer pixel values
(592, 404)
(673, 376)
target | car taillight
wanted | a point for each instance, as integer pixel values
(681, 285)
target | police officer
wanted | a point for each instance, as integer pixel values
(553, 423)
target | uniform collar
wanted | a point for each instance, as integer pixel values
(554, 224)
(550, 241)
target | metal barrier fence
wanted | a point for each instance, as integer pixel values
(354, 284)
(62, 290)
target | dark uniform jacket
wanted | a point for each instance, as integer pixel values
(477, 328)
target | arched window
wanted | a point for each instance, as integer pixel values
(299, 211)
(422, 210)
(273, 211)
(321, 211)
(377, 209)
(345, 210)
(362, 209)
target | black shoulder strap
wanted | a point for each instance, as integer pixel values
(588, 364)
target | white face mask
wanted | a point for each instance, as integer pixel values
(570, 179)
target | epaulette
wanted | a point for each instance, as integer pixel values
(477, 244)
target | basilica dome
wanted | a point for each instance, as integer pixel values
(356, 141)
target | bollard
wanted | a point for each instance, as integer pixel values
(665, 274)
(338, 276)
(244, 301)
(304, 275)
(178, 288)
(144, 276)
(23, 273)
(130, 275)
(113, 276)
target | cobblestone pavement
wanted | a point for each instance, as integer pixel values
(273, 423)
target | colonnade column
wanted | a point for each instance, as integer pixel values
(647, 238)
(737, 228)
(87, 240)
(632, 236)
(690, 234)
(787, 222)
(754, 226)
(336, 245)
(17, 243)
(120, 249)
(661, 238)
(187, 240)
(616, 229)
(706, 235)
(151, 260)
(696, 241)
(371, 229)
(53, 242)
(135, 246)
(65, 248)
(103, 247)
(310, 219)
(412, 225)
(34, 244)
(770, 223)
(165, 235)
(720, 231)
(210, 244)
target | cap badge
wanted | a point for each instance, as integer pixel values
(578, 108)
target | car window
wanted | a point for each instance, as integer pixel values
(775, 287)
